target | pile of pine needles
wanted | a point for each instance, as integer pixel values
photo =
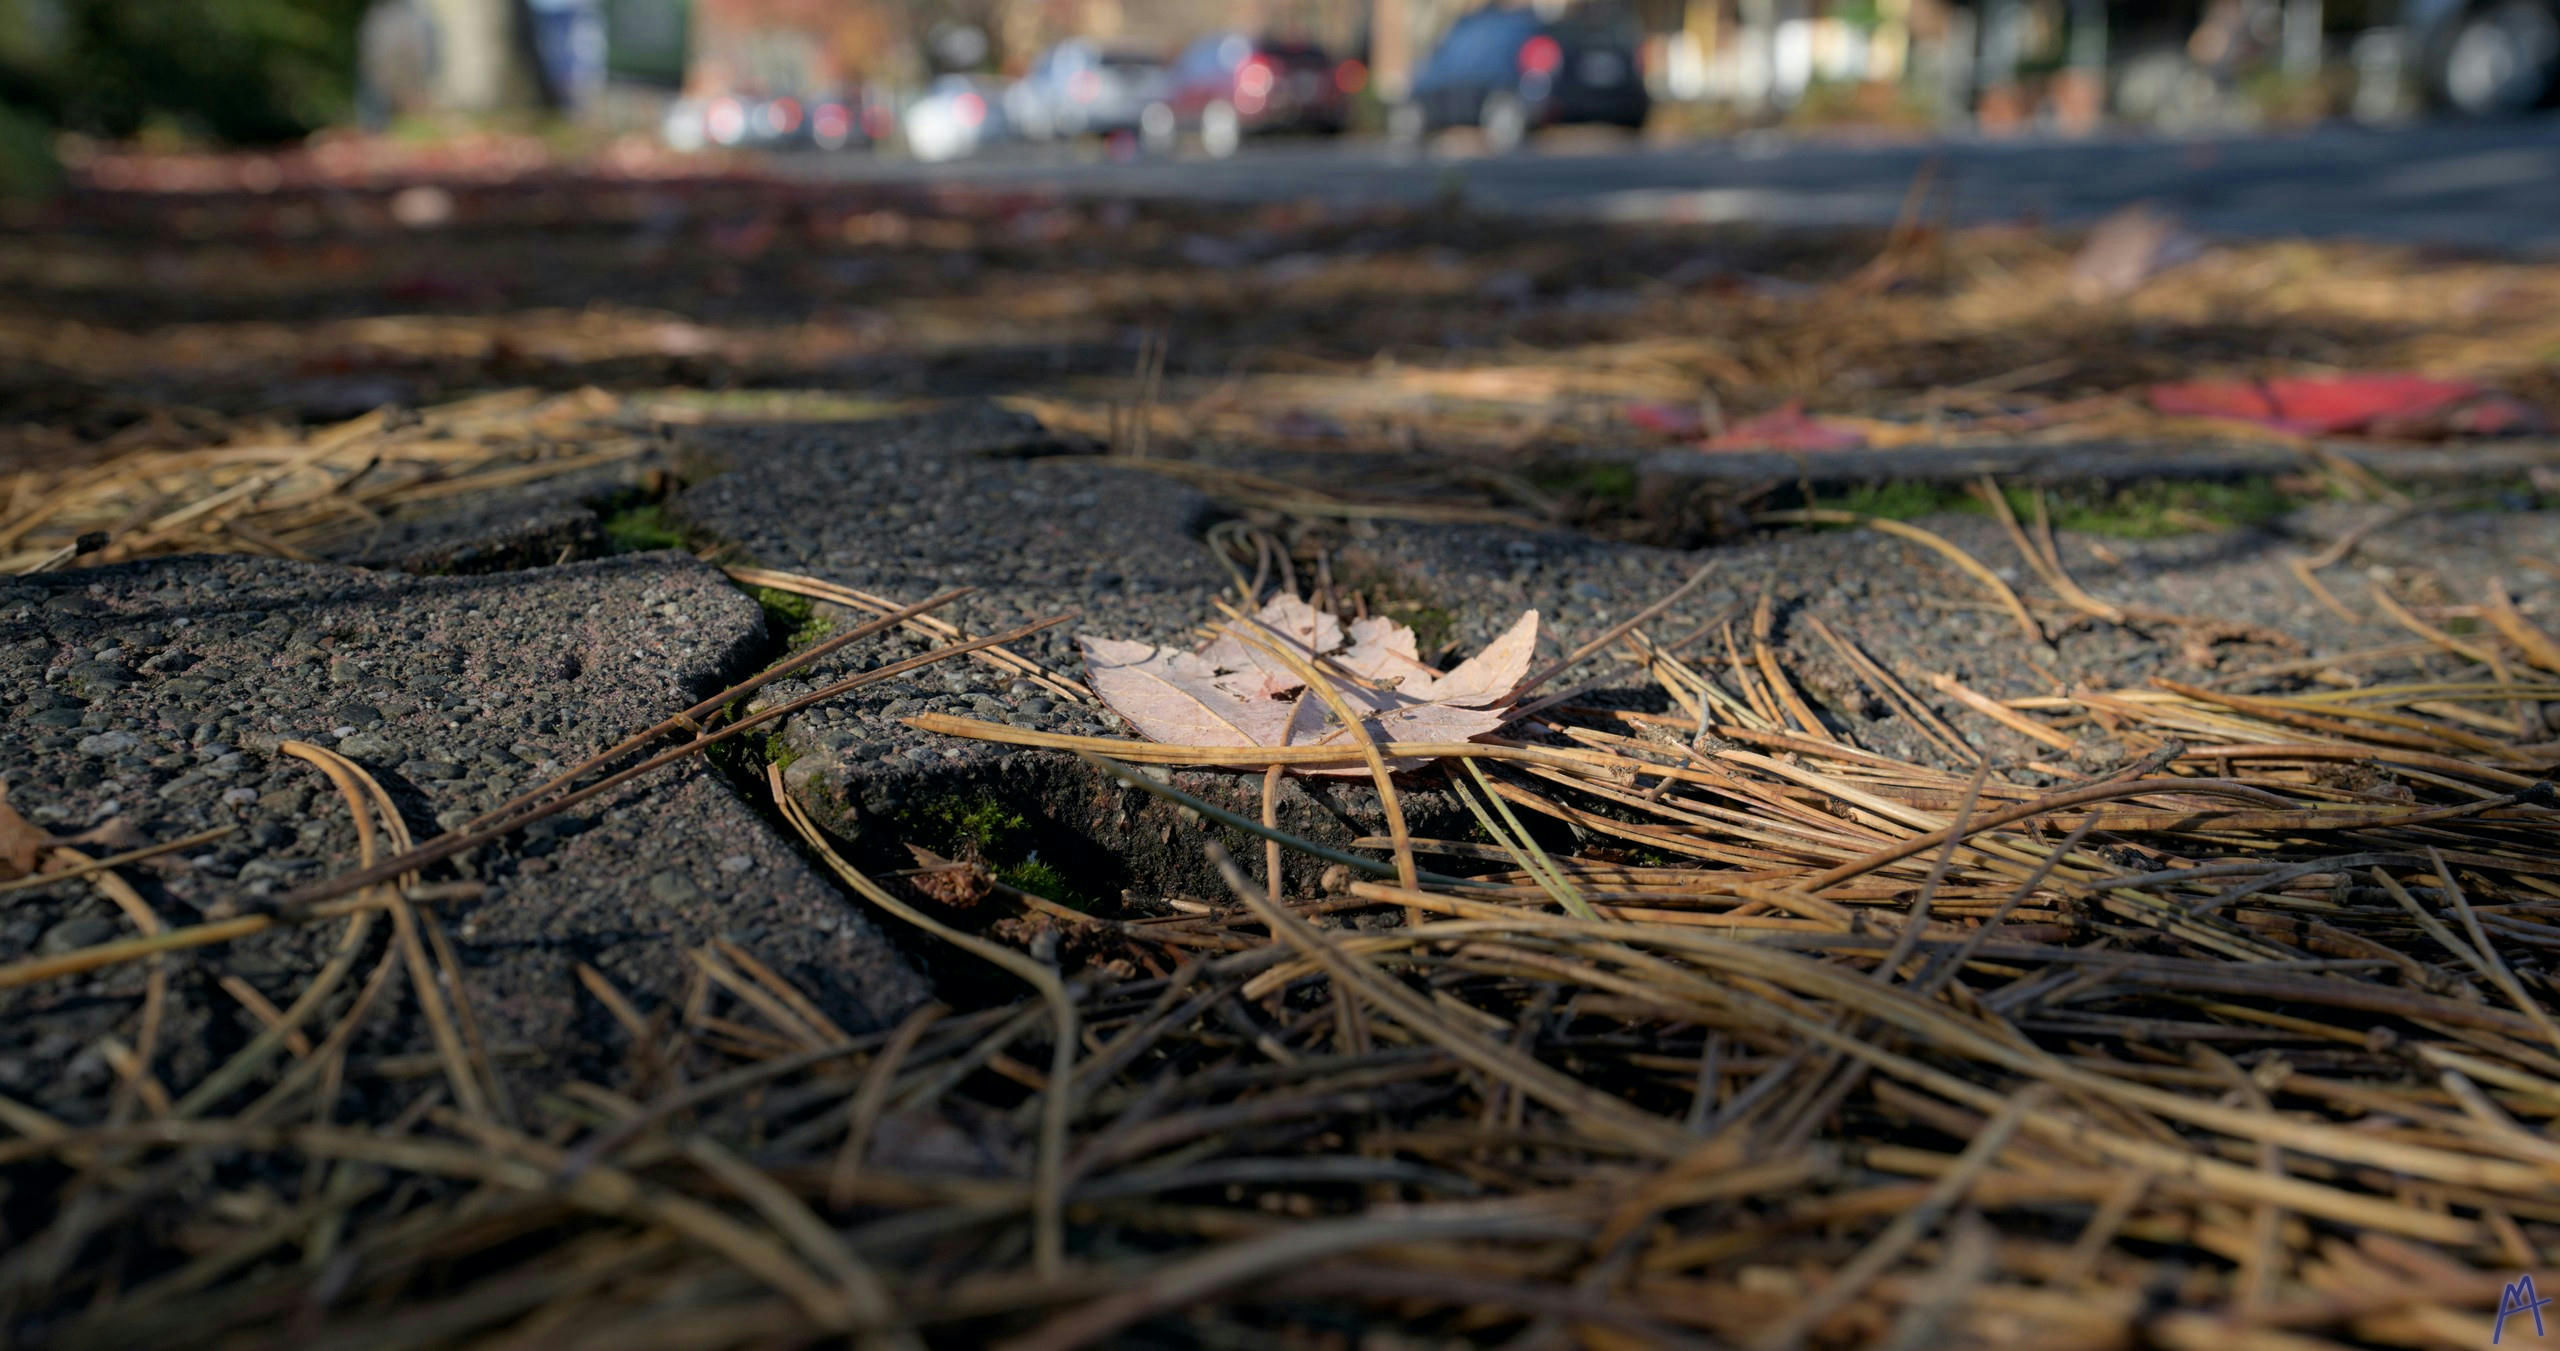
(1727, 1031)
(284, 492)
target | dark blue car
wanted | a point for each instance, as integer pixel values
(2486, 57)
(1510, 72)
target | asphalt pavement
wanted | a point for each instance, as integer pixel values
(2492, 185)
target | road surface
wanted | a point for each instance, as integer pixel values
(2482, 185)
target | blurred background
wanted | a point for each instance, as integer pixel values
(1357, 224)
(944, 80)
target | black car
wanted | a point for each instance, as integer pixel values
(2485, 57)
(1511, 72)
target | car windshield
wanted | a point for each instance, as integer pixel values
(1481, 37)
(1212, 56)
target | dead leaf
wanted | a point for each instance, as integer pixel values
(1231, 693)
(1788, 427)
(2129, 248)
(2387, 403)
(22, 846)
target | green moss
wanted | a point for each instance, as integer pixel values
(2152, 509)
(984, 831)
(2161, 508)
(793, 616)
(1042, 879)
(1902, 499)
(1432, 626)
(979, 825)
(1591, 482)
(642, 526)
(783, 405)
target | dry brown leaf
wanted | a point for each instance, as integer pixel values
(23, 844)
(1230, 692)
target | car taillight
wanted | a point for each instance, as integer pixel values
(784, 113)
(831, 124)
(1351, 77)
(1540, 56)
(1255, 78)
(973, 109)
(725, 121)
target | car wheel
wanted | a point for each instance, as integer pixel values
(1158, 131)
(1505, 120)
(1221, 131)
(2502, 59)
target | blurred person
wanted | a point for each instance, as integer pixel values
(396, 58)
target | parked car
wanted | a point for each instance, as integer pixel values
(954, 116)
(1230, 85)
(1511, 72)
(2485, 57)
(1080, 87)
(779, 122)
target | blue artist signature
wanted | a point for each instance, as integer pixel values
(2519, 1298)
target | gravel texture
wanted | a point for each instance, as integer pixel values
(909, 507)
(158, 693)
(539, 524)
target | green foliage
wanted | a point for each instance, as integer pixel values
(238, 70)
(27, 165)
(642, 526)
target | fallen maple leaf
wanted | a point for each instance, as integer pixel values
(1231, 692)
(1787, 427)
(1667, 419)
(2382, 404)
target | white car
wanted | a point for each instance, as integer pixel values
(1080, 88)
(954, 116)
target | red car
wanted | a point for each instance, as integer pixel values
(1229, 85)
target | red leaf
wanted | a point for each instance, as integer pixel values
(2395, 403)
(1787, 428)
(1667, 419)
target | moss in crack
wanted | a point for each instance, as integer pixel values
(2151, 509)
(964, 825)
(635, 527)
(793, 618)
(983, 830)
(1902, 499)
(743, 758)
(2159, 508)
(1434, 627)
(1611, 483)
(1044, 880)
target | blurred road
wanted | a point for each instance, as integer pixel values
(2491, 185)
